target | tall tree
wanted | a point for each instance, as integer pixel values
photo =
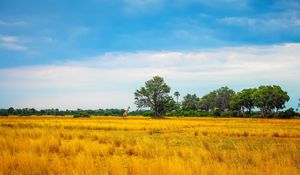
(223, 98)
(208, 101)
(269, 98)
(243, 100)
(177, 94)
(10, 111)
(190, 102)
(236, 103)
(155, 95)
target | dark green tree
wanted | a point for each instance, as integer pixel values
(208, 101)
(217, 99)
(269, 98)
(176, 94)
(243, 100)
(223, 98)
(154, 95)
(11, 111)
(190, 102)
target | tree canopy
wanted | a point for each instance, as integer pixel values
(154, 95)
(269, 98)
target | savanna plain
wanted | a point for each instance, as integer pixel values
(141, 145)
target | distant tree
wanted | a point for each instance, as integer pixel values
(176, 94)
(280, 97)
(217, 99)
(269, 98)
(190, 102)
(208, 101)
(236, 103)
(155, 95)
(223, 98)
(243, 100)
(10, 111)
(3, 112)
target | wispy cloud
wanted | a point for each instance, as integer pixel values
(109, 80)
(238, 21)
(267, 20)
(13, 46)
(138, 6)
(12, 43)
(12, 23)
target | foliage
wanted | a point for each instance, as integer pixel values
(207, 102)
(148, 113)
(190, 102)
(243, 100)
(223, 98)
(289, 113)
(269, 98)
(155, 95)
(81, 115)
(219, 98)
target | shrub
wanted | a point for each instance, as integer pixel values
(226, 114)
(236, 113)
(215, 113)
(289, 113)
(81, 114)
(148, 113)
(202, 113)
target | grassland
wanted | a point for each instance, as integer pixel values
(138, 145)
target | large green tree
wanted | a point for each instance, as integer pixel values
(190, 102)
(208, 101)
(217, 99)
(223, 98)
(243, 100)
(270, 98)
(155, 95)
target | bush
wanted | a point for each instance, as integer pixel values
(236, 113)
(148, 113)
(81, 114)
(215, 113)
(202, 113)
(226, 114)
(289, 113)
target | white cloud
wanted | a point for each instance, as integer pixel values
(297, 22)
(268, 21)
(138, 6)
(238, 21)
(13, 46)
(9, 39)
(12, 43)
(109, 80)
(12, 23)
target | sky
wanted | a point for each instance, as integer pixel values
(95, 53)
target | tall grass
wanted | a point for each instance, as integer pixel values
(110, 145)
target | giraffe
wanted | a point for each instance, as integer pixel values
(125, 113)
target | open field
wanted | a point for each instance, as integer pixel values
(138, 145)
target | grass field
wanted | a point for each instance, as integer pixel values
(138, 145)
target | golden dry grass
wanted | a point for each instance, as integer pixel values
(138, 145)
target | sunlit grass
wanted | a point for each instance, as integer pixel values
(138, 145)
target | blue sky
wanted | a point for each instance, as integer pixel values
(54, 53)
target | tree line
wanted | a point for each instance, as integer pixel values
(154, 99)
(264, 101)
(57, 112)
